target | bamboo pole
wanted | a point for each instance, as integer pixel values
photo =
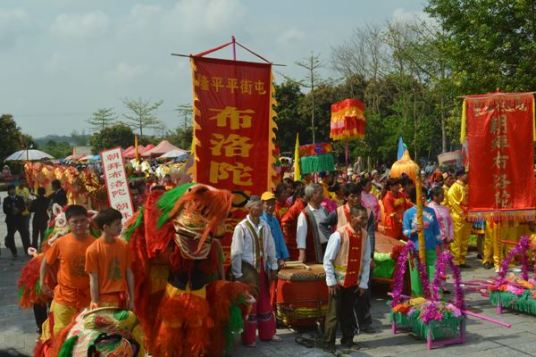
(422, 246)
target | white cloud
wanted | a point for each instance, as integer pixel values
(126, 71)
(405, 16)
(81, 26)
(206, 15)
(291, 36)
(13, 23)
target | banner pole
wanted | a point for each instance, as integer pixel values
(422, 246)
(233, 40)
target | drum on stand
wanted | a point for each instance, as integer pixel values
(302, 295)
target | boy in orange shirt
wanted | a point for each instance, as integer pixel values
(71, 295)
(108, 264)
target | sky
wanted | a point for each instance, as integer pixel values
(62, 60)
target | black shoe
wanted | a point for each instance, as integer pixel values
(446, 291)
(368, 330)
(330, 349)
(350, 346)
(488, 265)
(465, 266)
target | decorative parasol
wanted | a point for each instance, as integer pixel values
(28, 155)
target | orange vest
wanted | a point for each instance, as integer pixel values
(347, 264)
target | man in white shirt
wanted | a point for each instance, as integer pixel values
(311, 238)
(253, 244)
(347, 266)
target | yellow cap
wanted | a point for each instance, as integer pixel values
(267, 196)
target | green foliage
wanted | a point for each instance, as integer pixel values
(116, 135)
(12, 138)
(490, 44)
(74, 139)
(102, 118)
(57, 149)
(181, 137)
(289, 120)
(142, 114)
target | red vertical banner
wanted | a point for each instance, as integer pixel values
(500, 136)
(233, 129)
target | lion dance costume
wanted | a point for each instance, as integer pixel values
(184, 306)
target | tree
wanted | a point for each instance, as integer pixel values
(184, 112)
(142, 114)
(311, 64)
(181, 137)
(490, 44)
(57, 149)
(289, 121)
(79, 139)
(102, 118)
(110, 137)
(12, 138)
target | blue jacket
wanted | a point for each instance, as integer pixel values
(281, 251)
(432, 235)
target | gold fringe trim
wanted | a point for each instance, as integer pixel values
(526, 215)
(272, 175)
(463, 129)
(196, 126)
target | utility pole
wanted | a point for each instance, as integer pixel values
(311, 64)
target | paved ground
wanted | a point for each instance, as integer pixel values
(17, 327)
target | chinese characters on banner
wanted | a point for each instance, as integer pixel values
(501, 154)
(116, 182)
(233, 130)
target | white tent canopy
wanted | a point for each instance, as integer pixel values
(173, 153)
(28, 155)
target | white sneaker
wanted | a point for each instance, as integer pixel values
(277, 338)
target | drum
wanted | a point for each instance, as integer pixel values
(302, 295)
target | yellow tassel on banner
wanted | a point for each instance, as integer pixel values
(271, 137)
(463, 130)
(195, 126)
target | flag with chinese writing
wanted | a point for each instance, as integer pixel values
(347, 120)
(499, 128)
(233, 128)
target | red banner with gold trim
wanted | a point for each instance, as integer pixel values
(499, 129)
(233, 128)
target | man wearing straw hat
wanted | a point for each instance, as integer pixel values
(253, 246)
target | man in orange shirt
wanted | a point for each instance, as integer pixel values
(108, 264)
(71, 295)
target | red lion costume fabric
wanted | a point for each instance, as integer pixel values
(184, 306)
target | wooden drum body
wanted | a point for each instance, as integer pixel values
(302, 295)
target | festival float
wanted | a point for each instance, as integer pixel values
(429, 317)
(511, 290)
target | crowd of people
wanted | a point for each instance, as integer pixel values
(330, 219)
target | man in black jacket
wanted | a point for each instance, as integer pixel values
(58, 196)
(39, 208)
(13, 207)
